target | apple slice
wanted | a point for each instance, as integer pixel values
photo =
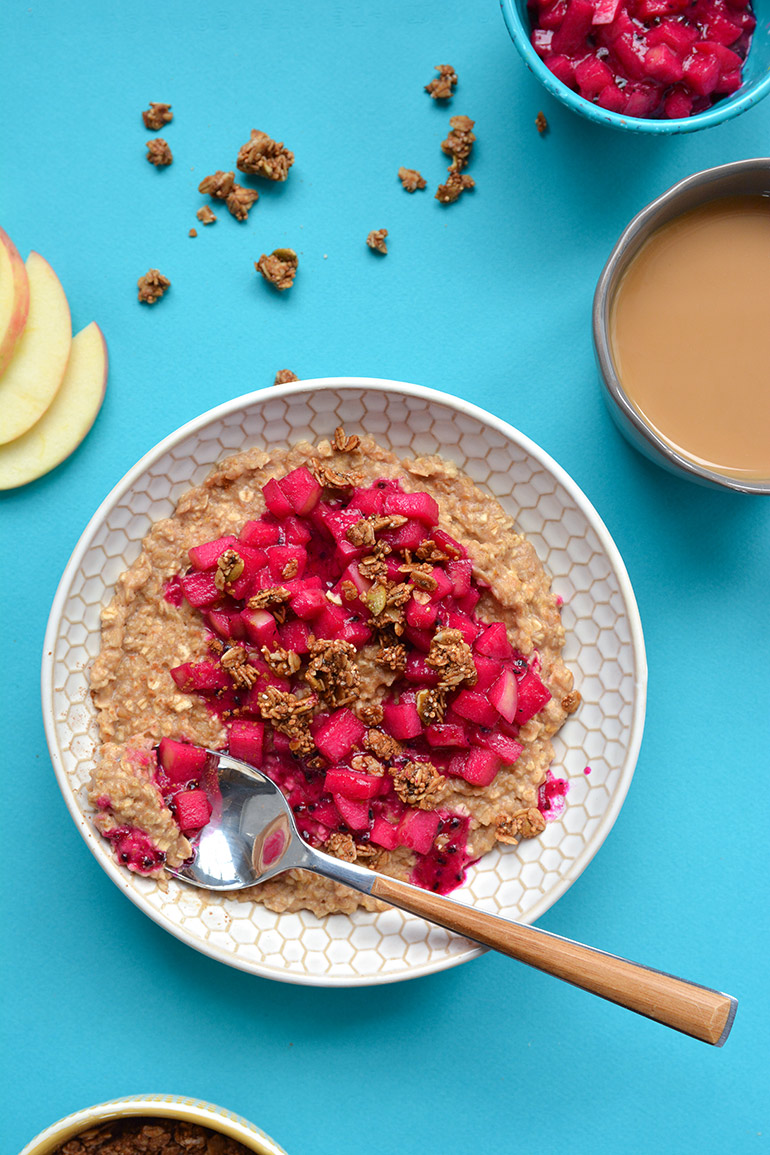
(36, 370)
(67, 419)
(14, 298)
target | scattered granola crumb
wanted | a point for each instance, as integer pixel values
(262, 156)
(152, 286)
(157, 115)
(411, 179)
(158, 152)
(460, 141)
(240, 200)
(279, 268)
(541, 122)
(456, 185)
(523, 824)
(193, 233)
(205, 215)
(382, 745)
(571, 701)
(343, 442)
(218, 185)
(376, 240)
(284, 376)
(442, 86)
(332, 478)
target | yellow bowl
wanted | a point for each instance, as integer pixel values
(175, 1107)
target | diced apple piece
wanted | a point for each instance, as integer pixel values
(260, 627)
(481, 766)
(447, 734)
(37, 367)
(193, 810)
(67, 419)
(504, 696)
(14, 298)
(352, 783)
(401, 719)
(337, 736)
(493, 642)
(181, 761)
(417, 830)
(246, 741)
(276, 500)
(200, 589)
(301, 490)
(414, 505)
(383, 833)
(533, 695)
(200, 677)
(353, 813)
(261, 533)
(207, 554)
(475, 707)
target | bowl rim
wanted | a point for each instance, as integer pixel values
(725, 109)
(159, 1106)
(463, 407)
(709, 183)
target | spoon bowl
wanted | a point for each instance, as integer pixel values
(251, 837)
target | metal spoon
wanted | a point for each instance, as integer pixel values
(251, 837)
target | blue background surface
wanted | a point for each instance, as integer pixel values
(488, 299)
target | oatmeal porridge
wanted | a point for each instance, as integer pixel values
(373, 633)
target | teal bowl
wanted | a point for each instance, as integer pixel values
(756, 79)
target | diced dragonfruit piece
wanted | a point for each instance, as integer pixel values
(206, 555)
(493, 642)
(480, 766)
(419, 505)
(533, 695)
(352, 783)
(447, 543)
(181, 761)
(330, 621)
(295, 636)
(226, 624)
(420, 616)
(260, 533)
(417, 830)
(301, 489)
(678, 103)
(200, 677)
(200, 589)
(246, 741)
(383, 833)
(338, 735)
(443, 584)
(281, 556)
(592, 75)
(354, 814)
(467, 603)
(562, 68)
(418, 671)
(193, 810)
(260, 627)
(276, 500)
(307, 601)
(401, 719)
(410, 535)
(507, 748)
(475, 707)
(604, 11)
(355, 631)
(504, 696)
(460, 572)
(701, 72)
(575, 27)
(420, 639)
(296, 531)
(467, 627)
(447, 734)
(368, 501)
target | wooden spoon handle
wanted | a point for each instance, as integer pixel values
(694, 1010)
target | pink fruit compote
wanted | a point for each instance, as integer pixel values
(306, 547)
(645, 58)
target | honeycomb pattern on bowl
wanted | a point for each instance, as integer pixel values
(604, 649)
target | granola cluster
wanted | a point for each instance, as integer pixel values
(152, 286)
(279, 268)
(458, 146)
(442, 86)
(156, 116)
(158, 152)
(527, 823)
(376, 240)
(147, 1136)
(262, 156)
(223, 186)
(411, 179)
(284, 377)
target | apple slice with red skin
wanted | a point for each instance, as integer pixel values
(37, 368)
(14, 298)
(67, 419)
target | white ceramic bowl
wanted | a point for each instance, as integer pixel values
(604, 649)
(154, 1106)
